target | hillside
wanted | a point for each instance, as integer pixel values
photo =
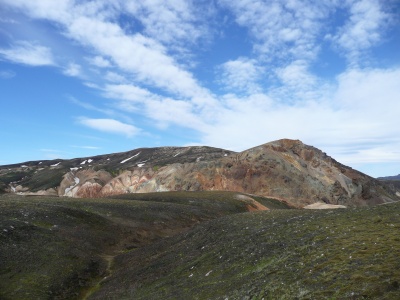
(195, 245)
(285, 169)
(45, 177)
(60, 248)
(292, 254)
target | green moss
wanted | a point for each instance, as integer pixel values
(285, 254)
(276, 254)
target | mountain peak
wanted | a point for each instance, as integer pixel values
(285, 169)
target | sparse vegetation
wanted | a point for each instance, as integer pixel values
(144, 246)
(56, 247)
(280, 254)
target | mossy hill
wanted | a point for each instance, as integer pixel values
(195, 246)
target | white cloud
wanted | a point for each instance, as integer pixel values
(73, 70)
(140, 56)
(28, 53)
(293, 25)
(172, 22)
(110, 112)
(86, 147)
(144, 58)
(167, 111)
(362, 111)
(299, 84)
(47, 9)
(7, 74)
(241, 75)
(273, 92)
(115, 77)
(110, 125)
(296, 74)
(100, 62)
(128, 92)
(363, 30)
(162, 110)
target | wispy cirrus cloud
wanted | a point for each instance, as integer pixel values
(54, 153)
(7, 74)
(28, 53)
(86, 147)
(162, 110)
(112, 112)
(110, 126)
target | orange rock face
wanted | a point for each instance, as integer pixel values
(284, 169)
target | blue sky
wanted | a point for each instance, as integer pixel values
(81, 78)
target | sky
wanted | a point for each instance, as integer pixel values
(83, 78)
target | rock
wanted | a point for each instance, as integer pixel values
(321, 205)
(284, 169)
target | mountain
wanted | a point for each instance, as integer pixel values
(397, 177)
(45, 177)
(393, 182)
(287, 170)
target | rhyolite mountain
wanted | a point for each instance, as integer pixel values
(287, 170)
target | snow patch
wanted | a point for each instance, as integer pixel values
(74, 169)
(90, 160)
(13, 189)
(40, 163)
(225, 154)
(141, 163)
(24, 166)
(108, 159)
(55, 165)
(177, 154)
(84, 162)
(125, 160)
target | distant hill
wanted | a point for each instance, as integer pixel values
(392, 182)
(397, 177)
(287, 170)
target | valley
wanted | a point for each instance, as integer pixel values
(282, 220)
(195, 245)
